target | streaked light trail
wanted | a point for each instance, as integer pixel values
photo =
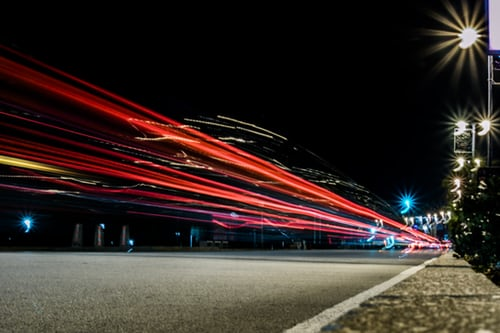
(63, 137)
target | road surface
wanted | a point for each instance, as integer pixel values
(219, 291)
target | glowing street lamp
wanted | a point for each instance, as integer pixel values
(460, 37)
(468, 37)
(461, 164)
(467, 31)
(485, 130)
(456, 189)
(27, 223)
(461, 127)
(485, 127)
(406, 204)
(457, 183)
(477, 165)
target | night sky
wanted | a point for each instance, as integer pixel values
(350, 82)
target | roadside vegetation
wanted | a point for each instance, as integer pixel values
(474, 227)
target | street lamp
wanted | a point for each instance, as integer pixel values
(465, 140)
(467, 32)
(468, 37)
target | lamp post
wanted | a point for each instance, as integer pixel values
(493, 19)
(468, 38)
(491, 82)
(468, 165)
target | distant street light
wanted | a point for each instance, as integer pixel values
(27, 223)
(457, 182)
(456, 190)
(461, 164)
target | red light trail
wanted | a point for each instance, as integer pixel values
(61, 136)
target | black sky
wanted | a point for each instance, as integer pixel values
(349, 82)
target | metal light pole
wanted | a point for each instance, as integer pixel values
(491, 82)
(493, 19)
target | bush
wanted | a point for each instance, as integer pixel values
(474, 228)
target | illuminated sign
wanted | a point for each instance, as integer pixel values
(493, 11)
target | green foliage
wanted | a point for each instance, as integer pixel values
(474, 228)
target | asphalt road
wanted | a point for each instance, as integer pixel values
(220, 291)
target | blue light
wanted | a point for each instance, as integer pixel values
(27, 223)
(131, 244)
(406, 203)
